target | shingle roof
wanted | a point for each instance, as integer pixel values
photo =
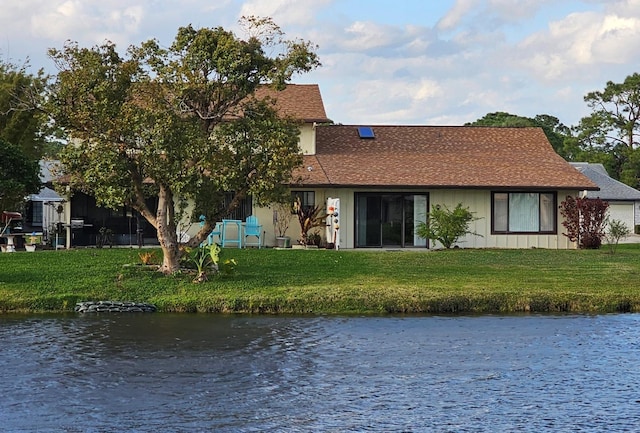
(439, 157)
(301, 101)
(610, 189)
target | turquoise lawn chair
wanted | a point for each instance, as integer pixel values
(214, 233)
(253, 228)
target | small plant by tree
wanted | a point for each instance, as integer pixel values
(585, 220)
(147, 257)
(204, 257)
(446, 226)
(617, 230)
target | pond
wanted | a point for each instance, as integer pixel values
(197, 373)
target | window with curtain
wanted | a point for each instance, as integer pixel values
(523, 212)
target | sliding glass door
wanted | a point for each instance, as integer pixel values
(389, 219)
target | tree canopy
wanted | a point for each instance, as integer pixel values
(179, 123)
(19, 176)
(20, 122)
(22, 136)
(610, 134)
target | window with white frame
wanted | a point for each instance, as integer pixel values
(523, 212)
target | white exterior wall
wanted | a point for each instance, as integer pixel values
(478, 202)
(308, 139)
(622, 211)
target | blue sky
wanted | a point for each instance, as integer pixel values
(437, 62)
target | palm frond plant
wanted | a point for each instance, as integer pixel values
(309, 217)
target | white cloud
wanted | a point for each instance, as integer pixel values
(456, 14)
(285, 12)
(575, 44)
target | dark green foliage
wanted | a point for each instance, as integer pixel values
(19, 176)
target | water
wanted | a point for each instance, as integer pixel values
(196, 373)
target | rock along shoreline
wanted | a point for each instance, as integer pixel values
(114, 307)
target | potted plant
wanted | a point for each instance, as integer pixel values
(309, 217)
(281, 220)
(31, 241)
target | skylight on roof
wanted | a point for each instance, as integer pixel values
(366, 132)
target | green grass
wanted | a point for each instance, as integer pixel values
(335, 282)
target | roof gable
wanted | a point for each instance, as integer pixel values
(439, 157)
(300, 101)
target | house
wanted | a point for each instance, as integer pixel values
(44, 210)
(624, 201)
(388, 177)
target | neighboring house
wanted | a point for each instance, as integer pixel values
(46, 209)
(387, 177)
(624, 201)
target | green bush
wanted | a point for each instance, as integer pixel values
(617, 231)
(446, 226)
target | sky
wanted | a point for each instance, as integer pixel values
(404, 62)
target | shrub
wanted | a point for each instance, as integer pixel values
(585, 220)
(617, 231)
(446, 226)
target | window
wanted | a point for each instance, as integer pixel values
(242, 211)
(523, 212)
(307, 198)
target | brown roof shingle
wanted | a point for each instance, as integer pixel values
(300, 101)
(439, 157)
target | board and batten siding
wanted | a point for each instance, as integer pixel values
(479, 202)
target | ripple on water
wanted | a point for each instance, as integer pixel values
(247, 373)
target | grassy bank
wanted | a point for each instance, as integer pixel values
(330, 282)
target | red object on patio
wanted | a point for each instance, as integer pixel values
(10, 216)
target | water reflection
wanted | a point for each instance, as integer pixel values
(162, 372)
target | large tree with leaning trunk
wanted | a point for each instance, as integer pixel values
(179, 123)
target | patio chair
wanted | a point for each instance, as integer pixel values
(217, 231)
(254, 229)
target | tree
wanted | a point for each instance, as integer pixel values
(446, 226)
(181, 122)
(20, 122)
(19, 176)
(610, 133)
(585, 220)
(556, 132)
(21, 134)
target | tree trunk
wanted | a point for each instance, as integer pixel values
(167, 235)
